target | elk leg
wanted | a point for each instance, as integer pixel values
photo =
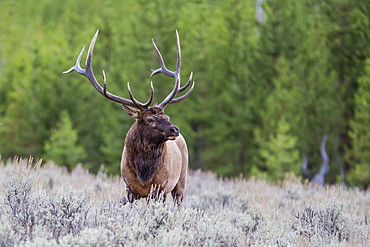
(177, 195)
(128, 198)
(131, 195)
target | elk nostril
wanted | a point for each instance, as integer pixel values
(175, 130)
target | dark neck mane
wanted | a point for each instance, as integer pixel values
(143, 153)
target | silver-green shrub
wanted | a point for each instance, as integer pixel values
(50, 207)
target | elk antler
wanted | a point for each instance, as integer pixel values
(88, 72)
(170, 99)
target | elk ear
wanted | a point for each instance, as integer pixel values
(131, 112)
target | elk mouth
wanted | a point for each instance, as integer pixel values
(171, 133)
(171, 137)
(174, 132)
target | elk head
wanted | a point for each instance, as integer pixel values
(151, 119)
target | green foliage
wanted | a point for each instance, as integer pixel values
(300, 65)
(62, 147)
(360, 133)
(280, 153)
(300, 84)
(347, 26)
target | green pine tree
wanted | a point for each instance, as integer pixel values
(277, 137)
(299, 82)
(347, 24)
(62, 147)
(280, 153)
(359, 156)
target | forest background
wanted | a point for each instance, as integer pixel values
(272, 78)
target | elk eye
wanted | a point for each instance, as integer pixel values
(149, 120)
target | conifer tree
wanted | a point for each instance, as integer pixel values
(359, 159)
(280, 153)
(348, 30)
(280, 124)
(62, 147)
(347, 25)
(242, 97)
(302, 85)
(298, 65)
(203, 33)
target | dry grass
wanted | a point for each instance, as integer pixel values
(50, 207)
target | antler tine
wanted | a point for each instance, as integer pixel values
(187, 84)
(89, 73)
(175, 100)
(77, 66)
(138, 103)
(178, 62)
(176, 74)
(163, 69)
(178, 99)
(147, 104)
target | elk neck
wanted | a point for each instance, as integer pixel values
(144, 152)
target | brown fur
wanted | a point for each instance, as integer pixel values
(150, 160)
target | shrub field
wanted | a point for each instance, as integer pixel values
(44, 205)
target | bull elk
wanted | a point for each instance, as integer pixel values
(155, 154)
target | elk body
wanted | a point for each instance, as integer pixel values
(155, 154)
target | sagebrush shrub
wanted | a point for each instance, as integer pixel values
(51, 207)
(324, 221)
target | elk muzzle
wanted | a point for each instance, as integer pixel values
(173, 132)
